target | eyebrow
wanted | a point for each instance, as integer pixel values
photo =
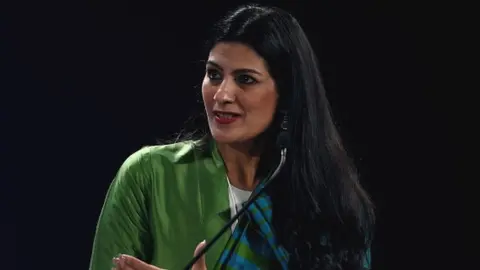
(240, 70)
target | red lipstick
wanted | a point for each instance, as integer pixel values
(225, 120)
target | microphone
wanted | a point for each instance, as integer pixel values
(283, 140)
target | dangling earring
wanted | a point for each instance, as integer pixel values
(283, 137)
(284, 124)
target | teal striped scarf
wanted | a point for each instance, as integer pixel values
(253, 244)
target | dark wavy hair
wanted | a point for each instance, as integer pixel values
(321, 214)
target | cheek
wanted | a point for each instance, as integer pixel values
(207, 95)
(264, 108)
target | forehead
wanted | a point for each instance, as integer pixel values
(235, 55)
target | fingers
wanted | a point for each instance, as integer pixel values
(200, 264)
(127, 262)
(135, 263)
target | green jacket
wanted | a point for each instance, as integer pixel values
(162, 203)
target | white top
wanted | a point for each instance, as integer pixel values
(236, 197)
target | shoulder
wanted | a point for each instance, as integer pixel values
(174, 153)
(156, 157)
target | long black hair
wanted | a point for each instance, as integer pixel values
(321, 214)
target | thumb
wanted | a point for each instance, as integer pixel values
(200, 264)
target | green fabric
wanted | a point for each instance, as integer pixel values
(162, 203)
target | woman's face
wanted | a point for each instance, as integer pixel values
(238, 92)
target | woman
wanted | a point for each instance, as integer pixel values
(261, 76)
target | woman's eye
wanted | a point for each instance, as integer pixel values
(245, 79)
(214, 75)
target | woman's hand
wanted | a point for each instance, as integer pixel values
(127, 262)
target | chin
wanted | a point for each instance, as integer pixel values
(224, 138)
(229, 135)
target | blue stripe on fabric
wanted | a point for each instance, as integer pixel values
(238, 262)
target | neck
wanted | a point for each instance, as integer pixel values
(241, 162)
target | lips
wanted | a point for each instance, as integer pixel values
(225, 117)
(224, 114)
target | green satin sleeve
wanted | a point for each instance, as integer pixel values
(123, 225)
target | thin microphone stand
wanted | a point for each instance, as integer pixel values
(283, 157)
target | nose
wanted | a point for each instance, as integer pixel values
(225, 92)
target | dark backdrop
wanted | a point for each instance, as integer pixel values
(90, 83)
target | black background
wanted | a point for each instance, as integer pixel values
(90, 83)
